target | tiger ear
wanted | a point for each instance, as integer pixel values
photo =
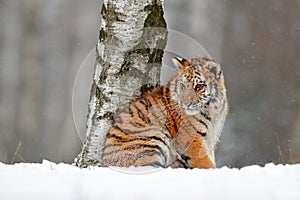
(181, 63)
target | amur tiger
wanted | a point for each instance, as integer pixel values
(175, 125)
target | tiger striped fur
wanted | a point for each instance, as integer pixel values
(176, 125)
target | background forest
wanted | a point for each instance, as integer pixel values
(43, 43)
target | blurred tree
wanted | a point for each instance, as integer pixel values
(42, 43)
(132, 36)
(260, 52)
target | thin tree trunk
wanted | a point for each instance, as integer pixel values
(129, 53)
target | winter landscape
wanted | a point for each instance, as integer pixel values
(49, 85)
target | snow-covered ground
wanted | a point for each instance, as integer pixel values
(61, 181)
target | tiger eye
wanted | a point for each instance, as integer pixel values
(199, 87)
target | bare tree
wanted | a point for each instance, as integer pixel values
(128, 58)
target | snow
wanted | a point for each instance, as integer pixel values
(62, 181)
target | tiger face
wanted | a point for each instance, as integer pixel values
(199, 82)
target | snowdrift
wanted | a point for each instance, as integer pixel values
(62, 181)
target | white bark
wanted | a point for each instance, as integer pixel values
(129, 53)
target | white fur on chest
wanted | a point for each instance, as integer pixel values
(214, 131)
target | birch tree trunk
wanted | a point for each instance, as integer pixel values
(128, 58)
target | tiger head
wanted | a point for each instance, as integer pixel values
(198, 83)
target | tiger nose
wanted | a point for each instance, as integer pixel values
(189, 103)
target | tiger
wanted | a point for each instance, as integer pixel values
(176, 125)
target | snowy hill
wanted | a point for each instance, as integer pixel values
(61, 181)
